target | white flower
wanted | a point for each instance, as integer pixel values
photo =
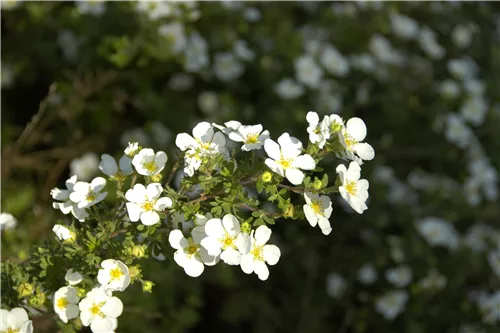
(145, 203)
(404, 26)
(88, 194)
(400, 276)
(319, 132)
(367, 274)
(334, 62)
(286, 159)
(251, 14)
(335, 285)
(318, 210)
(190, 255)
(351, 136)
(457, 131)
(156, 9)
(174, 33)
(99, 309)
(63, 233)
(84, 167)
(288, 89)
(227, 67)
(430, 45)
(132, 149)
(307, 71)
(229, 127)
(109, 167)
(476, 237)
(353, 189)
(449, 88)
(252, 136)
(178, 219)
(474, 87)
(113, 275)
(364, 62)
(260, 253)
(7, 221)
(242, 51)
(433, 281)
(224, 238)
(438, 232)
(147, 163)
(383, 51)
(203, 143)
(391, 304)
(69, 44)
(15, 321)
(196, 53)
(489, 306)
(73, 278)
(65, 303)
(494, 261)
(67, 206)
(92, 7)
(9, 5)
(474, 110)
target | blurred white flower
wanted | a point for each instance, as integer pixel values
(333, 61)
(433, 281)
(364, 62)
(462, 35)
(157, 9)
(474, 110)
(7, 221)
(307, 71)
(430, 45)
(84, 167)
(227, 67)
(335, 285)
(288, 89)
(383, 51)
(489, 306)
(438, 232)
(242, 51)
(449, 88)
(11, 4)
(367, 274)
(392, 303)
(92, 7)
(7, 77)
(457, 131)
(252, 14)
(174, 33)
(208, 102)
(404, 26)
(69, 43)
(196, 54)
(477, 236)
(400, 276)
(463, 68)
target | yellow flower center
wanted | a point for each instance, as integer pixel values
(285, 163)
(316, 208)
(91, 196)
(252, 138)
(227, 241)
(349, 141)
(257, 252)
(119, 176)
(192, 249)
(147, 206)
(11, 330)
(62, 303)
(150, 166)
(95, 309)
(115, 273)
(351, 187)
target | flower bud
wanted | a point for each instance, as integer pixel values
(246, 227)
(156, 178)
(267, 177)
(289, 211)
(317, 184)
(24, 289)
(335, 127)
(147, 286)
(134, 273)
(81, 292)
(139, 251)
(38, 300)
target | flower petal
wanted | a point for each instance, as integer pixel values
(304, 162)
(230, 256)
(261, 270)
(150, 218)
(364, 150)
(203, 131)
(193, 267)
(212, 245)
(295, 176)
(163, 203)
(246, 263)
(113, 307)
(272, 149)
(177, 240)
(356, 128)
(262, 235)
(231, 224)
(213, 228)
(271, 254)
(275, 167)
(185, 141)
(108, 165)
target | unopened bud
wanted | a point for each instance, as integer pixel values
(289, 210)
(317, 184)
(246, 228)
(157, 178)
(335, 127)
(267, 177)
(134, 273)
(139, 251)
(24, 289)
(147, 286)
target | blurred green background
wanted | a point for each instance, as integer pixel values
(85, 78)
